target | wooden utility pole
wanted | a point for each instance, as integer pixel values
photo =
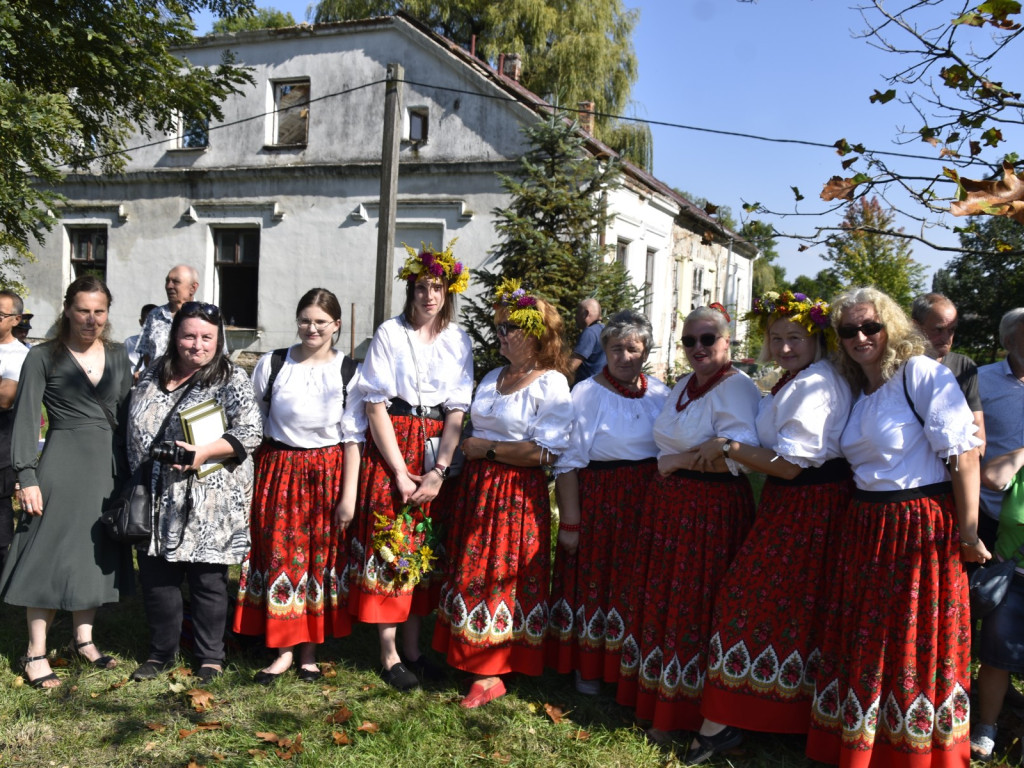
(388, 194)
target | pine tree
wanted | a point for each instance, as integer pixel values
(551, 235)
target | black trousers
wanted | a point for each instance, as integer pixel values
(161, 596)
(7, 482)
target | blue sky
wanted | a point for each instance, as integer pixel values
(787, 69)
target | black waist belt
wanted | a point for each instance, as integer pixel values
(285, 447)
(711, 477)
(905, 494)
(615, 464)
(832, 471)
(400, 407)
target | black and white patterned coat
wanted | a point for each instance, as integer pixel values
(199, 520)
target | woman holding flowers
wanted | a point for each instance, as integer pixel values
(694, 522)
(602, 487)
(768, 615)
(417, 383)
(892, 686)
(494, 609)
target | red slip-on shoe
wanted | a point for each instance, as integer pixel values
(478, 695)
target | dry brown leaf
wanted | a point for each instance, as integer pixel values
(500, 758)
(707, 238)
(210, 725)
(710, 209)
(1004, 197)
(149, 746)
(180, 673)
(201, 700)
(284, 754)
(555, 713)
(328, 670)
(341, 739)
(368, 727)
(267, 736)
(579, 735)
(119, 684)
(194, 764)
(158, 727)
(218, 756)
(838, 188)
(258, 752)
(59, 663)
(94, 695)
(184, 733)
(341, 716)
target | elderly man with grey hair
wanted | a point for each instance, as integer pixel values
(588, 355)
(935, 316)
(181, 285)
(1001, 386)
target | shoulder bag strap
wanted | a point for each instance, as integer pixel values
(906, 394)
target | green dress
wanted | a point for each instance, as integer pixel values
(63, 559)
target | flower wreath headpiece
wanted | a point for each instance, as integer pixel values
(437, 263)
(813, 316)
(522, 307)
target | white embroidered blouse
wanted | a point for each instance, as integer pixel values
(541, 412)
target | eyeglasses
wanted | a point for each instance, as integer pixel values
(705, 339)
(5, 315)
(320, 325)
(198, 308)
(503, 329)
(868, 329)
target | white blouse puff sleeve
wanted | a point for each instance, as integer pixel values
(885, 444)
(729, 410)
(307, 403)
(804, 421)
(609, 427)
(445, 367)
(540, 412)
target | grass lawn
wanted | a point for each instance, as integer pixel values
(100, 718)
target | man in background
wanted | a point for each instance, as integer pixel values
(588, 354)
(12, 355)
(131, 344)
(181, 285)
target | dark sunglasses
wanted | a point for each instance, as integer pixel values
(705, 339)
(201, 308)
(504, 328)
(868, 329)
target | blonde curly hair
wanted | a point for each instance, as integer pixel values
(904, 340)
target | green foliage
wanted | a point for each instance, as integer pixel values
(823, 285)
(249, 20)
(78, 79)
(551, 235)
(767, 276)
(572, 50)
(868, 253)
(984, 281)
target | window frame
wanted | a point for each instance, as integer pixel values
(240, 273)
(289, 111)
(90, 264)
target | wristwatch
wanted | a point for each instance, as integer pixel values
(490, 452)
(726, 447)
(443, 470)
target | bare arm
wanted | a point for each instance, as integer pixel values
(567, 493)
(346, 508)
(753, 456)
(999, 471)
(8, 389)
(979, 422)
(965, 473)
(430, 484)
(574, 363)
(518, 453)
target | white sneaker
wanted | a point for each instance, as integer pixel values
(587, 687)
(983, 742)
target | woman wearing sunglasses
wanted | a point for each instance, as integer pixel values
(892, 686)
(601, 487)
(306, 475)
(417, 382)
(201, 524)
(494, 609)
(693, 525)
(769, 611)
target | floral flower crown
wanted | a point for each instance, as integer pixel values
(813, 316)
(522, 307)
(437, 264)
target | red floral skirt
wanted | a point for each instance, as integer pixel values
(374, 594)
(686, 538)
(892, 688)
(768, 618)
(289, 588)
(591, 590)
(494, 602)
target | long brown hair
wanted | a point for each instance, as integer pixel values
(447, 312)
(83, 284)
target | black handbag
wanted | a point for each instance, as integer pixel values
(988, 586)
(128, 517)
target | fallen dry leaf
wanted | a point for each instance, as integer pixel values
(579, 735)
(158, 727)
(194, 764)
(201, 700)
(258, 752)
(94, 695)
(341, 716)
(219, 757)
(150, 746)
(368, 727)
(500, 758)
(328, 670)
(119, 684)
(341, 739)
(267, 736)
(184, 733)
(555, 713)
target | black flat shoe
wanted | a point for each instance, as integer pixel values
(400, 677)
(39, 681)
(149, 670)
(426, 669)
(206, 674)
(308, 675)
(709, 746)
(103, 662)
(264, 678)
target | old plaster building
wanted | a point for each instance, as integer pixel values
(284, 193)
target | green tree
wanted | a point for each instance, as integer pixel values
(550, 234)
(768, 276)
(572, 50)
(823, 285)
(984, 281)
(78, 78)
(867, 252)
(260, 18)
